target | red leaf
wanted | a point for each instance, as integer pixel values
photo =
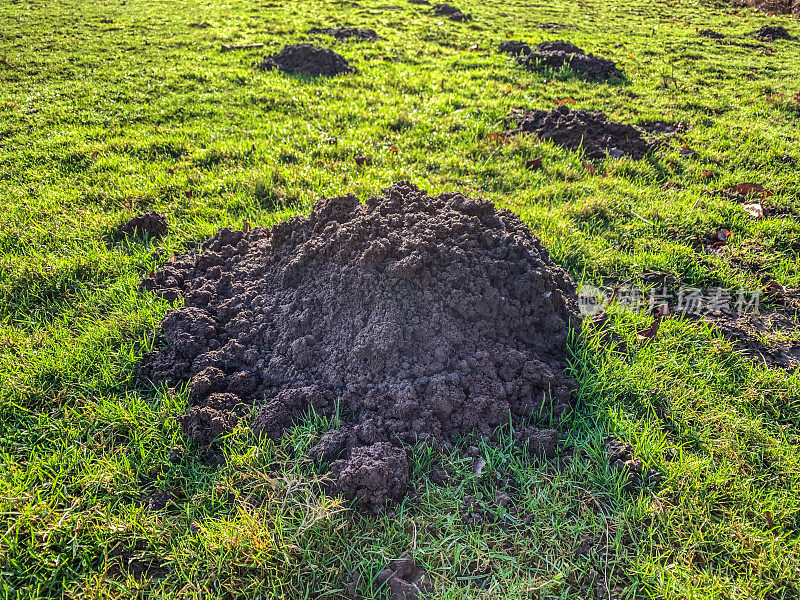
(393, 149)
(564, 101)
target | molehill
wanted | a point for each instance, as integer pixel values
(419, 319)
(557, 54)
(307, 59)
(589, 130)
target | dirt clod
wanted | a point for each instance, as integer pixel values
(621, 458)
(307, 59)
(451, 12)
(405, 579)
(151, 225)
(424, 318)
(347, 33)
(203, 425)
(558, 54)
(373, 475)
(590, 130)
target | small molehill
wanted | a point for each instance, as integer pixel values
(451, 12)
(347, 33)
(307, 59)
(583, 129)
(417, 319)
(771, 33)
(559, 54)
(515, 47)
(150, 225)
(710, 33)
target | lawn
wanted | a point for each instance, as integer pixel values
(111, 109)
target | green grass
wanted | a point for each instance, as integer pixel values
(99, 121)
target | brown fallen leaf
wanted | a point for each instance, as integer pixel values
(707, 175)
(648, 334)
(362, 160)
(496, 135)
(590, 167)
(748, 189)
(534, 165)
(393, 149)
(561, 101)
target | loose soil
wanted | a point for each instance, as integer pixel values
(590, 130)
(307, 59)
(347, 33)
(710, 33)
(451, 12)
(515, 48)
(768, 337)
(418, 318)
(771, 33)
(405, 579)
(150, 224)
(558, 54)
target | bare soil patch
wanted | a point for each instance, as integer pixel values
(347, 33)
(151, 225)
(421, 319)
(589, 130)
(558, 54)
(307, 59)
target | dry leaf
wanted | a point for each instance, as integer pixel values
(564, 101)
(393, 149)
(747, 189)
(650, 333)
(534, 165)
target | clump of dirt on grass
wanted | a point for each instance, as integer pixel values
(405, 579)
(347, 33)
(710, 33)
(307, 59)
(515, 48)
(451, 12)
(419, 319)
(558, 54)
(589, 130)
(152, 225)
(770, 33)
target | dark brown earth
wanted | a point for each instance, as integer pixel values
(307, 59)
(768, 337)
(425, 319)
(405, 580)
(590, 130)
(347, 33)
(557, 54)
(515, 48)
(772, 32)
(621, 458)
(451, 12)
(710, 33)
(151, 225)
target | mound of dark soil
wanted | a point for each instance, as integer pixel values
(710, 33)
(451, 12)
(558, 54)
(307, 59)
(421, 318)
(515, 48)
(772, 32)
(347, 33)
(589, 130)
(152, 225)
